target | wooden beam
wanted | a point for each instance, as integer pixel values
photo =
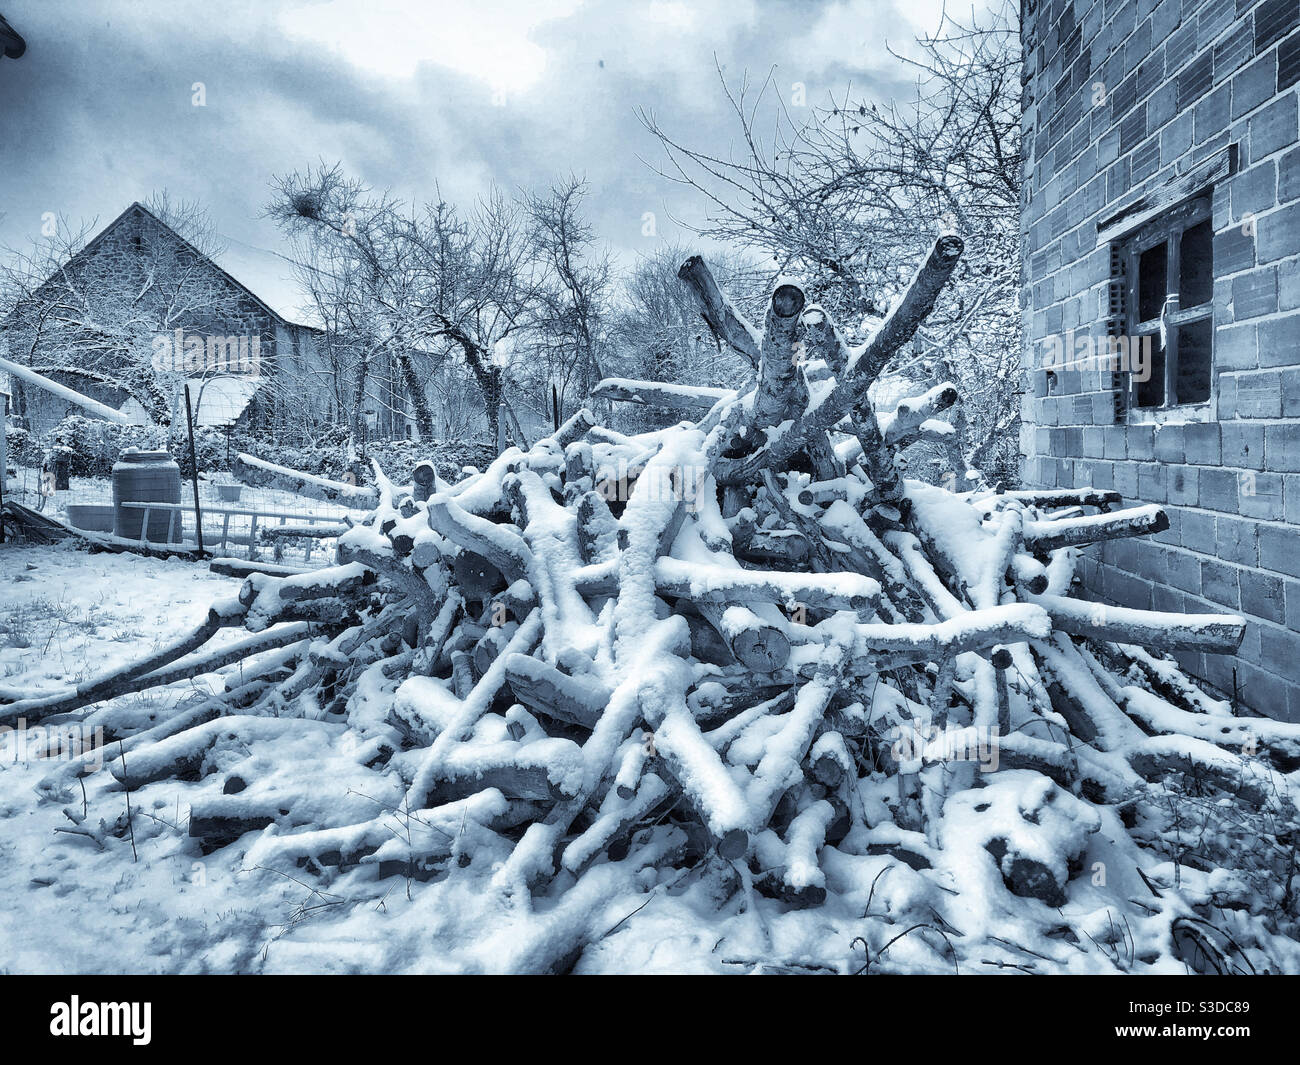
(100, 410)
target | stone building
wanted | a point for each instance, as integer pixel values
(1161, 303)
(139, 297)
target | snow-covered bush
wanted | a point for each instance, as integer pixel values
(330, 456)
(93, 446)
(22, 449)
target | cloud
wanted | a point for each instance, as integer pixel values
(410, 97)
(392, 40)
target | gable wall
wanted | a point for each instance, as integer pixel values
(112, 269)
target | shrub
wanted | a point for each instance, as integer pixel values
(22, 449)
(93, 446)
(397, 458)
(328, 456)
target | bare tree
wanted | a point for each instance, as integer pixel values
(352, 344)
(569, 333)
(434, 275)
(371, 245)
(94, 310)
(848, 196)
(481, 289)
(656, 332)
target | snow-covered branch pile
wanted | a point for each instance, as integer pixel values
(743, 653)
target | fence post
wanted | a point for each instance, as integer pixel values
(4, 458)
(194, 464)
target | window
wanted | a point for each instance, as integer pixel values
(1169, 307)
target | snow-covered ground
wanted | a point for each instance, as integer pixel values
(89, 891)
(76, 905)
(156, 903)
(66, 613)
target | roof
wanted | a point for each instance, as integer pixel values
(11, 41)
(219, 401)
(137, 208)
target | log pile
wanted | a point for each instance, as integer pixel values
(702, 648)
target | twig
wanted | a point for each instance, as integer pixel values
(121, 751)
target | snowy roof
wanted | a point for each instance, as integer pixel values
(140, 210)
(219, 401)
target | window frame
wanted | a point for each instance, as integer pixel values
(1168, 228)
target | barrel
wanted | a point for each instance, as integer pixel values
(146, 477)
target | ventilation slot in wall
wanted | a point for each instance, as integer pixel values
(1115, 318)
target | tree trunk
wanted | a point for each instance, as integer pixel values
(359, 397)
(489, 381)
(419, 401)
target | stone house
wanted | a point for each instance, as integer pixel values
(1161, 304)
(90, 328)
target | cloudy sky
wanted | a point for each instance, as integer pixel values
(102, 109)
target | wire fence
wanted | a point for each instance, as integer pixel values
(258, 523)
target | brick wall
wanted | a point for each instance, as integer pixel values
(1124, 97)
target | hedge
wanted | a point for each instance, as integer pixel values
(93, 446)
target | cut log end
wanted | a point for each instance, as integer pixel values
(689, 267)
(476, 576)
(733, 844)
(828, 771)
(948, 248)
(1037, 584)
(787, 301)
(762, 649)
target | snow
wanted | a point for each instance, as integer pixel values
(779, 767)
(221, 401)
(806, 835)
(627, 384)
(1035, 821)
(1113, 729)
(428, 701)
(704, 776)
(68, 613)
(958, 533)
(248, 907)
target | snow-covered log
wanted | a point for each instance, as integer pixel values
(1044, 536)
(728, 326)
(1217, 633)
(661, 394)
(746, 649)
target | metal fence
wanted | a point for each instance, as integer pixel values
(239, 521)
